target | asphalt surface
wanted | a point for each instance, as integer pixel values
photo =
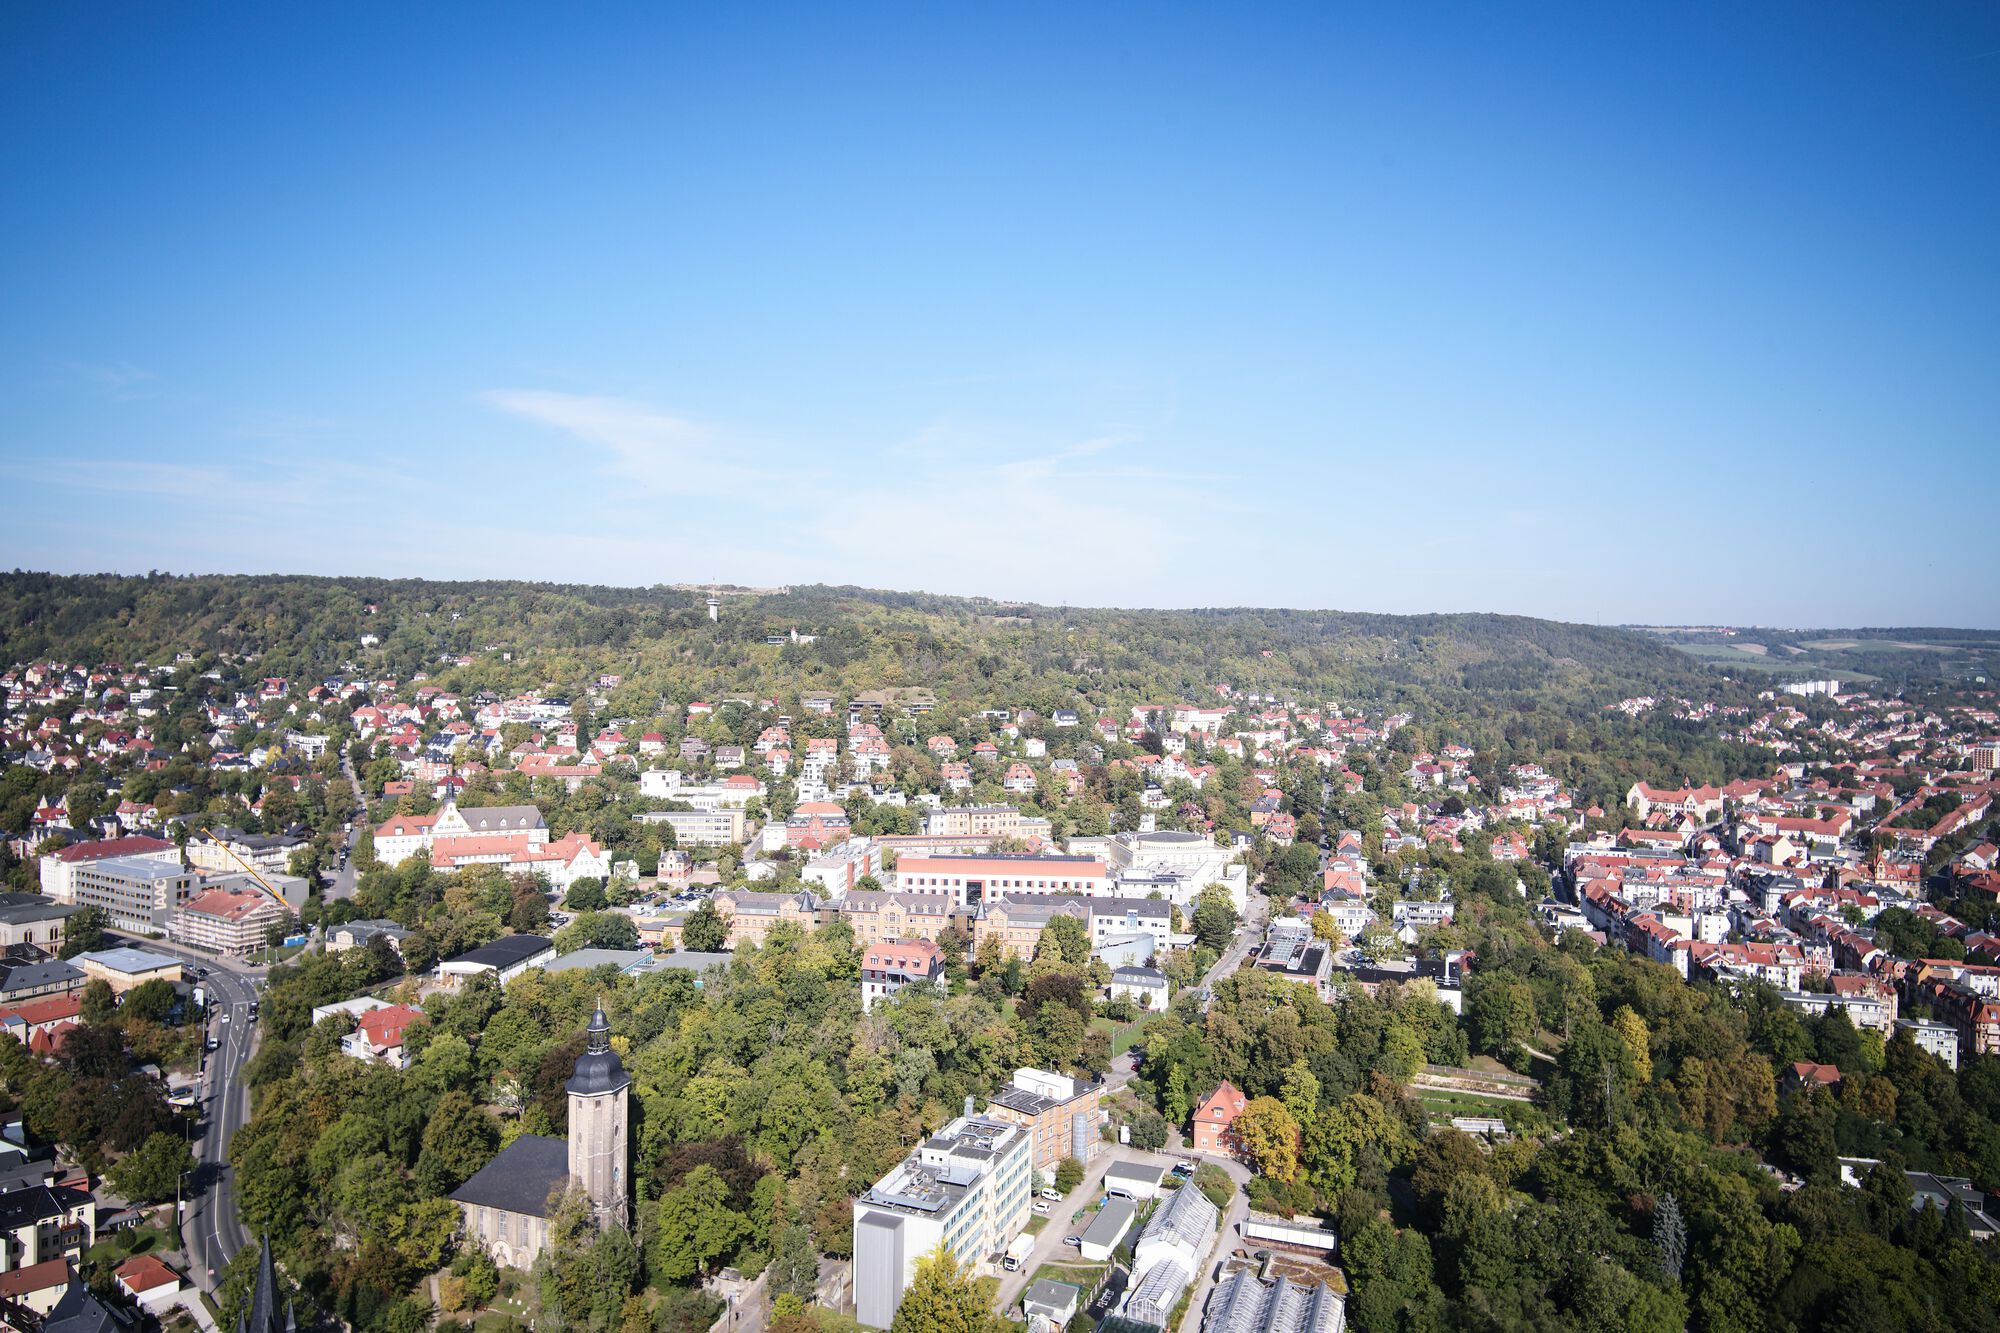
(211, 1230)
(340, 884)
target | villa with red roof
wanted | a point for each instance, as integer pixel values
(1215, 1120)
(378, 1035)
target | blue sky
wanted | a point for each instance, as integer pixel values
(1604, 312)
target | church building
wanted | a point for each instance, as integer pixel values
(508, 1201)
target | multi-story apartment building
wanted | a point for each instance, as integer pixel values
(138, 893)
(230, 849)
(890, 965)
(842, 867)
(700, 828)
(1060, 1112)
(230, 921)
(752, 916)
(1975, 1017)
(966, 1188)
(979, 879)
(47, 1213)
(877, 914)
(1940, 1039)
(59, 868)
(985, 821)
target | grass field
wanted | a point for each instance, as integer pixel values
(1124, 1036)
(119, 1246)
(1444, 1105)
(1739, 657)
(1077, 1275)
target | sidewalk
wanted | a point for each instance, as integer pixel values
(189, 1299)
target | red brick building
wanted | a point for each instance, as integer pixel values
(1215, 1120)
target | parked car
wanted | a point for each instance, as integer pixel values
(1183, 1168)
(1052, 1195)
(1073, 1240)
(1041, 1207)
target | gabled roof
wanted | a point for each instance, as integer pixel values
(521, 1178)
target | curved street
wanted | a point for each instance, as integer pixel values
(211, 1230)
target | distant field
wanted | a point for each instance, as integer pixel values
(1753, 657)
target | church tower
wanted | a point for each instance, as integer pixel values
(597, 1118)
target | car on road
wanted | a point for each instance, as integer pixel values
(1052, 1195)
(213, 1044)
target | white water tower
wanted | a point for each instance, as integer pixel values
(714, 607)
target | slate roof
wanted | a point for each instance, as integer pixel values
(80, 1312)
(506, 951)
(16, 908)
(521, 1178)
(38, 1203)
(37, 976)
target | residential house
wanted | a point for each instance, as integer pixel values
(1215, 1120)
(1145, 987)
(378, 1035)
(890, 965)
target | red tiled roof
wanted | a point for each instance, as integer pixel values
(47, 1009)
(127, 846)
(384, 1027)
(228, 904)
(35, 1277)
(143, 1272)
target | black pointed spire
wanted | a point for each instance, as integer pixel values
(262, 1316)
(598, 1069)
(599, 1031)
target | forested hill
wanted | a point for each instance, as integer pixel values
(311, 625)
(1510, 684)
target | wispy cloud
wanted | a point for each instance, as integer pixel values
(643, 446)
(110, 374)
(238, 486)
(282, 427)
(119, 380)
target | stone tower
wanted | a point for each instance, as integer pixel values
(597, 1119)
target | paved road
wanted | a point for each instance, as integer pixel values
(212, 1232)
(340, 884)
(1049, 1247)
(1251, 933)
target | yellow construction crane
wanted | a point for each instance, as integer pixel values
(253, 873)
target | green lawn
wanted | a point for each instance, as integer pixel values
(1124, 1036)
(1036, 1223)
(1085, 1276)
(119, 1246)
(1447, 1104)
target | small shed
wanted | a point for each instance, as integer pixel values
(1108, 1228)
(1134, 1180)
(1056, 1302)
